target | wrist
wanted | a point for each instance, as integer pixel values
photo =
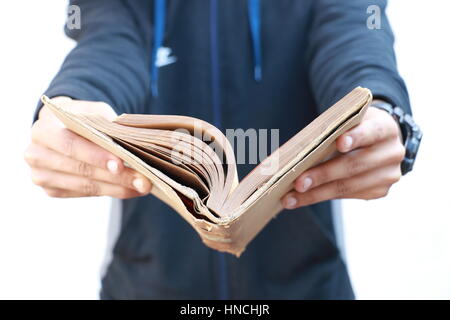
(387, 107)
(410, 132)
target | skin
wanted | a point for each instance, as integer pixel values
(66, 165)
(366, 168)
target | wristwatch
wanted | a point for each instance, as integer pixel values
(412, 135)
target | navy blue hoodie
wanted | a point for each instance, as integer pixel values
(236, 64)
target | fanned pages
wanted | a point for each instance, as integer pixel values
(192, 166)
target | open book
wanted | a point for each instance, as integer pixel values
(192, 166)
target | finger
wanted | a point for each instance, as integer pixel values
(369, 194)
(74, 146)
(61, 193)
(43, 158)
(351, 164)
(338, 189)
(58, 180)
(367, 133)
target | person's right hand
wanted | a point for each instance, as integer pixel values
(67, 165)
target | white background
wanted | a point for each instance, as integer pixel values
(397, 247)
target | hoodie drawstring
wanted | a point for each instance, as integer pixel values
(159, 26)
(254, 17)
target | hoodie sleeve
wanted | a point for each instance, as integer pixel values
(343, 52)
(110, 62)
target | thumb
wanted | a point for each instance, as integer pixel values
(84, 106)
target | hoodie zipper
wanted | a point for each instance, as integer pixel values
(219, 257)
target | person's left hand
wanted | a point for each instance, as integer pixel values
(369, 164)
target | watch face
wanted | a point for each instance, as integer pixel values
(407, 165)
(412, 143)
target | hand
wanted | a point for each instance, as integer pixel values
(67, 165)
(369, 164)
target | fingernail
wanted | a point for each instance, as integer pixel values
(138, 184)
(307, 182)
(348, 141)
(291, 202)
(112, 166)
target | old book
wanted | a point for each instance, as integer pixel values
(192, 166)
